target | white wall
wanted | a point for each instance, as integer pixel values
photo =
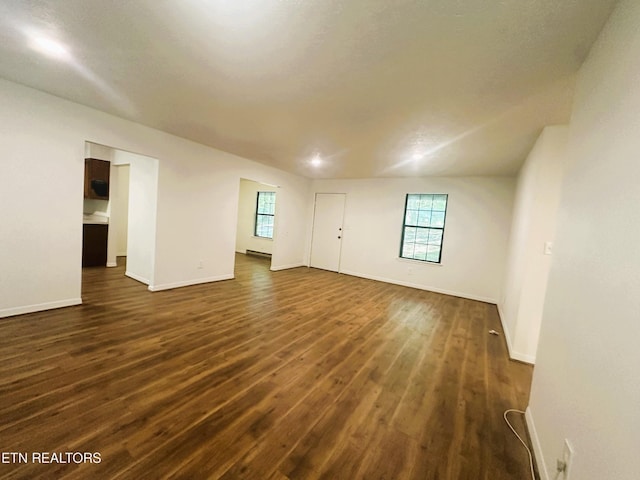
(42, 144)
(41, 193)
(120, 209)
(245, 239)
(141, 213)
(586, 384)
(475, 237)
(534, 223)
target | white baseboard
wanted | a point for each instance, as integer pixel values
(537, 449)
(136, 277)
(421, 287)
(38, 307)
(187, 283)
(505, 329)
(286, 267)
(112, 264)
(521, 357)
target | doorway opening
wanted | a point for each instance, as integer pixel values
(256, 228)
(126, 211)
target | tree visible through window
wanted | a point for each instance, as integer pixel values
(265, 211)
(423, 226)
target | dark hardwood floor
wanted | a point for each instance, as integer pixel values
(297, 374)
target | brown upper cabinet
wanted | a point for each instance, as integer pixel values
(96, 178)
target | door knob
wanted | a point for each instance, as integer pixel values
(339, 237)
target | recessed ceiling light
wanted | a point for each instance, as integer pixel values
(416, 156)
(50, 47)
(316, 161)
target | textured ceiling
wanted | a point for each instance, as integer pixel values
(375, 88)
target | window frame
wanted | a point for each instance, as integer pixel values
(259, 214)
(405, 225)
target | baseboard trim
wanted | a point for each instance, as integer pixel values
(421, 287)
(136, 277)
(286, 267)
(39, 307)
(537, 448)
(531, 359)
(505, 329)
(521, 357)
(112, 264)
(188, 283)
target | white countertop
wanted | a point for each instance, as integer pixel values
(92, 219)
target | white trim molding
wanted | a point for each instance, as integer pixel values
(286, 267)
(136, 277)
(187, 283)
(531, 359)
(39, 307)
(537, 448)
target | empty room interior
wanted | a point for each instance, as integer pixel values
(359, 239)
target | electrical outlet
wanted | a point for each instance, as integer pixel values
(548, 248)
(567, 458)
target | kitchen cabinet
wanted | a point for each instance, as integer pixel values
(96, 178)
(94, 244)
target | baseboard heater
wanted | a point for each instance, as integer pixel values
(258, 254)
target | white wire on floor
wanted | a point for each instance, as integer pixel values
(533, 475)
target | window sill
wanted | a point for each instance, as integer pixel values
(419, 262)
(262, 238)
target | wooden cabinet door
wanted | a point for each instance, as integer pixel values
(96, 178)
(94, 245)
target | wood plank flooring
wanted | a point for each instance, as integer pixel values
(297, 374)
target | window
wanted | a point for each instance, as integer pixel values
(265, 211)
(423, 227)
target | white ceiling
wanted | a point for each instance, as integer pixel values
(375, 87)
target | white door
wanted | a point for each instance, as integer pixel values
(326, 242)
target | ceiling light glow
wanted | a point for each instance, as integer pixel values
(316, 161)
(50, 47)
